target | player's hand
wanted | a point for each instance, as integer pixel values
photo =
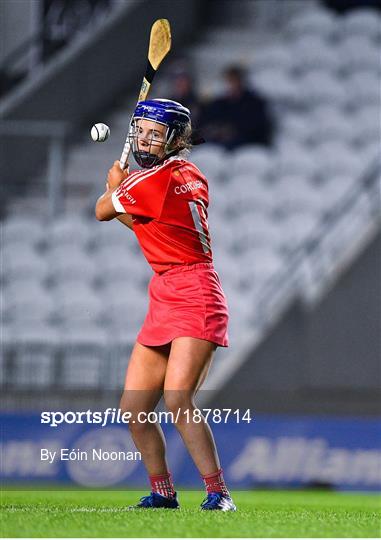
(116, 176)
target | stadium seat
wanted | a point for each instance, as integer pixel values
(363, 89)
(23, 288)
(312, 53)
(62, 253)
(251, 199)
(251, 159)
(79, 306)
(127, 316)
(106, 253)
(128, 286)
(250, 194)
(33, 355)
(118, 354)
(70, 230)
(73, 289)
(341, 239)
(12, 253)
(40, 308)
(330, 124)
(222, 230)
(87, 167)
(276, 85)
(212, 60)
(266, 17)
(371, 152)
(296, 194)
(367, 201)
(368, 126)
(113, 233)
(218, 199)
(255, 230)
(364, 22)
(261, 263)
(359, 53)
(210, 159)
(83, 350)
(124, 292)
(317, 22)
(338, 159)
(299, 228)
(71, 270)
(336, 189)
(299, 162)
(25, 280)
(220, 35)
(294, 128)
(206, 56)
(275, 57)
(320, 87)
(228, 267)
(23, 230)
(71, 263)
(240, 311)
(121, 263)
(20, 263)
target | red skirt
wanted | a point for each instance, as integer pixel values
(187, 300)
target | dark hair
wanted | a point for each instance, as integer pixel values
(235, 71)
(183, 141)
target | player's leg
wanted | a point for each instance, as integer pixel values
(188, 364)
(143, 389)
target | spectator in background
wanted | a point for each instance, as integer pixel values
(183, 91)
(239, 117)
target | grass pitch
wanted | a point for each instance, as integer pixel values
(260, 514)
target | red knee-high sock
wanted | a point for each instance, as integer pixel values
(162, 483)
(215, 483)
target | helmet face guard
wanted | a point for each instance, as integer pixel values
(160, 112)
(147, 158)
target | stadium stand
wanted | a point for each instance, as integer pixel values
(76, 288)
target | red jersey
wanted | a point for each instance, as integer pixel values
(168, 204)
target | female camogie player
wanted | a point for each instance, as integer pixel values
(165, 204)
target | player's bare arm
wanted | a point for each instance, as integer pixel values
(125, 219)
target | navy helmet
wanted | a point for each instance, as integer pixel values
(171, 114)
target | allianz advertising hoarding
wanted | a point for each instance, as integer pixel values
(274, 451)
